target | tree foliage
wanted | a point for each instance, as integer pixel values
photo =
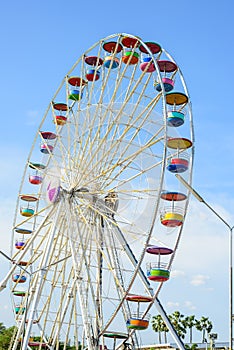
(190, 322)
(182, 324)
(205, 326)
(5, 336)
(177, 320)
(160, 327)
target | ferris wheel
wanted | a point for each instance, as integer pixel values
(99, 213)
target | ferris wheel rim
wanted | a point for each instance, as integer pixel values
(87, 196)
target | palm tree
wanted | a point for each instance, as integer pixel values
(177, 320)
(165, 330)
(205, 326)
(190, 322)
(158, 326)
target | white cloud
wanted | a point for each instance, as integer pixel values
(179, 305)
(205, 214)
(177, 273)
(199, 280)
(172, 304)
(188, 304)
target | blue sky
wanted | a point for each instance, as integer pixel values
(40, 41)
